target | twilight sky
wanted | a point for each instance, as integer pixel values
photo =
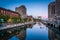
(34, 7)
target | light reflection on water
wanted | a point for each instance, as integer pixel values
(37, 32)
(13, 38)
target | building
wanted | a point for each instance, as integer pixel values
(21, 10)
(54, 11)
(51, 11)
(30, 19)
(39, 17)
(9, 12)
(57, 0)
(57, 9)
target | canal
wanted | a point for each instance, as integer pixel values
(37, 31)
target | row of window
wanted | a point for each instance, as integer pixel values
(9, 13)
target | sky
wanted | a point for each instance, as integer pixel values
(34, 7)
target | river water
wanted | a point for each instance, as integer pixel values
(37, 31)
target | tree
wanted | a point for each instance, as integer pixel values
(16, 19)
(5, 17)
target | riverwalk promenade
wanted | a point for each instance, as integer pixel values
(15, 25)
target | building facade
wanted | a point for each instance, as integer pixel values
(54, 11)
(57, 9)
(9, 12)
(21, 10)
(30, 19)
(51, 11)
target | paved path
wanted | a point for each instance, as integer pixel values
(15, 25)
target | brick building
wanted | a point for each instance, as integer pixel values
(9, 12)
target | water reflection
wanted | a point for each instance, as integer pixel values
(53, 35)
(18, 33)
(36, 33)
(30, 32)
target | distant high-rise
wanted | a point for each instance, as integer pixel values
(51, 11)
(22, 11)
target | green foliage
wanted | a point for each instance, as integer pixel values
(36, 19)
(16, 20)
(1, 16)
(13, 20)
(25, 19)
(5, 17)
(0, 22)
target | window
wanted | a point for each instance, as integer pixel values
(1, 11)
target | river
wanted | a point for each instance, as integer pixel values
(37, 31)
